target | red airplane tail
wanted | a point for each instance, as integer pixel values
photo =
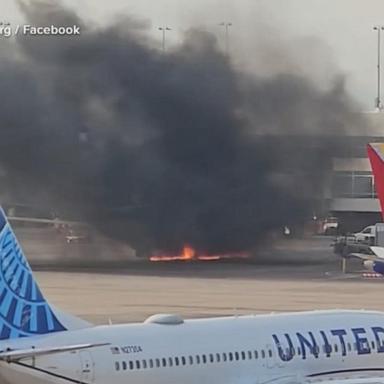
(376, 157)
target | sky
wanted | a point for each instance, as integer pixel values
(321, 38)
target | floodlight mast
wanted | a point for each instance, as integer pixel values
(226, 25)
(164, 30)
(378, 103)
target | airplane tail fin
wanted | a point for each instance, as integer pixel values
(376, 157)
(23, 309)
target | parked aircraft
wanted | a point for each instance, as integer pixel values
(39, 344)
(375, 261)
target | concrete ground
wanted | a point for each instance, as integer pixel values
(108, 284)
(195, 290)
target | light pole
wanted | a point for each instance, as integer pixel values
(226, 25)
(378, 28)
(164, 30)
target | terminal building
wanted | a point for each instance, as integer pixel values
(348, 193)
(351, 195)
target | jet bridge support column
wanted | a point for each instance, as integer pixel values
(379, 234)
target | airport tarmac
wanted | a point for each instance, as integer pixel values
(206, 289)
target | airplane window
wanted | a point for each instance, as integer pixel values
(373, 344)
(170, 361)
(117, 366)
(263, 353)
(230, 356)
(237, 355)
(191, 360)
(150, 363)
(250, 355)
(256, 355)
(211, 357)
(144, 362)
(176, 361)
(224, 356)
(137, 364)
(298, 351)
(218, 357)
(183, 360)
(197, 359)
(335, 347)
(349, 347)
(157, 363)
(124, 366)
(243, 355)
(204, 359)
(164, 362)
(270, 353)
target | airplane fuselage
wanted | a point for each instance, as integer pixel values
(246, 349)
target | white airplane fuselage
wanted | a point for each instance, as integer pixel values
(248, 349)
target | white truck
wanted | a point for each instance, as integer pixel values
(359, 242)
(367, 235)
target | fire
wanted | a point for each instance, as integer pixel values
(187, 254)
(190, 254)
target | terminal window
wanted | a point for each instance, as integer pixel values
(358, 185)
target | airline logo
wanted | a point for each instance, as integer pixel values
(314, 344)
(378, 148)
(376, 157)
(23, 309)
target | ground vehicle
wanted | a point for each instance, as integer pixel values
(367, 235)
(330, 225)
(359, 242)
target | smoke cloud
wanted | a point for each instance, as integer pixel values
(162, 149)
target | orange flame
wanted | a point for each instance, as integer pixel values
(190, 254)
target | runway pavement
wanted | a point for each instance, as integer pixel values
(195, 290)
(292, 275)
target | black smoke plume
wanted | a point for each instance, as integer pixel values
(161, 149)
